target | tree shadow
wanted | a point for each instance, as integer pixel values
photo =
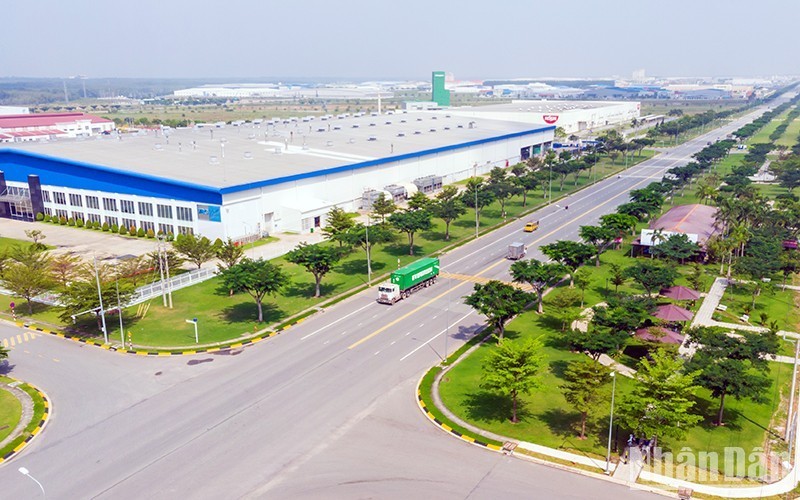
(357, 267)
(6, 367)
(490, 407)
(708, 410)
(558, 367)
(466, 332)
(434, 235)
(401, 250)
(464, 222)
(295, 289)
(561, 423)
(247, 312)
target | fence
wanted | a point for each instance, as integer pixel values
(147, 292)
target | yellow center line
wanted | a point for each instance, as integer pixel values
(489, 268)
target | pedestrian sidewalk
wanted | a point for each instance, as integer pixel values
(629, 470)
(286, 243)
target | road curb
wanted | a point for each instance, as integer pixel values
(446, 428)
(37, 430)
(163, 353)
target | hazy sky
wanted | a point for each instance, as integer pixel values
(363, 39)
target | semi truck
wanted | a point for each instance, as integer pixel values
(408, 279)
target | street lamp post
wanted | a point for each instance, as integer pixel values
(119, 311)
(100, 297)
(369, 263)
(193, 321)
(611, 420)
(26, 472)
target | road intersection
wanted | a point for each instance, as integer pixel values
(326, 410)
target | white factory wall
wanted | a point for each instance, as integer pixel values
(292, 206)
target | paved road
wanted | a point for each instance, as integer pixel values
(327, 410)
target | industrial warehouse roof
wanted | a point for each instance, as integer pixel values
(539, 106)
(236, 157)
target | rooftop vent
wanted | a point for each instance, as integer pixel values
(417, 132)
(158, 146)
(401, 134)
(372, 138)
(213, 160)
(329, 143)
(248, 155)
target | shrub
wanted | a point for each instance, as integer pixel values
(105, 226)
(151, 234)
(122, 230)
(132, 230)
(79, 222)
(39, 216)
(71, 222)
(62, 221)
(114, 228)
(170, 236)
(96, 224)
(140, 232)
(48, 218)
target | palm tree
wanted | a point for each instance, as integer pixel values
(705, 191)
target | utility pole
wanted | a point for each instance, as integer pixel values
(369, 263)
(100, 298)
(169, 282)
(161, 273)
(119, 311)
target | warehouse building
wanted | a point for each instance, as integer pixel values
(572, 116)
(254, 178)
(47, 126)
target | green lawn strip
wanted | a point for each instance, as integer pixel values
(7, 244)
(38, 414)
(789, 137)
(41, 312)
(10, 413)
(776, 303)
(762, 135)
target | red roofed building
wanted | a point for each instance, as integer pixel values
(32, 127)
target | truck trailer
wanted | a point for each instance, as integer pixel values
(408, 279)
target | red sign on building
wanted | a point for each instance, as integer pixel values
(550, 119)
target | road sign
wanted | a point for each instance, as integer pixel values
(11, 305)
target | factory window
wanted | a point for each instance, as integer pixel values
(126, 206)
(77, 215)
(92, 218)
(128, 223)
(164, 211)
(185, 230)
(112, 221)
(48, 211)
(46, 196)
(184, 213)
(110, 204)
(166, 229)
(148, 226)
(146, 209)
(75, 200)
(62, 213)
(92, 202)
(60, 198)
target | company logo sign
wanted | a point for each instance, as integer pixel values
(550, 119)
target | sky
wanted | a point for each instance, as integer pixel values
(377, 39)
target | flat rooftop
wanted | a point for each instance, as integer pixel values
(541, 106)
(229, 155)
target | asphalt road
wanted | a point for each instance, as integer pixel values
(326, 410)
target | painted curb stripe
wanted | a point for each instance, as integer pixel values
(39, 426)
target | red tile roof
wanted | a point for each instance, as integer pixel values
(46, 119)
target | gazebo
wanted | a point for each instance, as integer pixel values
(659, 334)
(680, 293)
(671, 312)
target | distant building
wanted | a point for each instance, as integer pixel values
(46, 126)
(14, 110)
(696, 221)
(441, 96)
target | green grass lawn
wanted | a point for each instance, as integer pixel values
(789, 137)
(548, 420)
(763, 135)
(7, 244)
(38, 413)
(10, 413)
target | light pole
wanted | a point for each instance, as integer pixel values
(119, 311)
(369, 263)
(611, 420)
(100, 297)
(26, 472)
(791, 394)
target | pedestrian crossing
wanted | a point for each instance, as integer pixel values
(14, 340)
(482, 280)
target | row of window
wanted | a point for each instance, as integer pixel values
(114, 221)
(126, 206)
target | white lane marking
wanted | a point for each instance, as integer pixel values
(374, 315)
(338, 320)
(393, 342)
(326, 342)
(376, 353)
(408, 333)
(344, 332)
(421, 325)
(459, 320)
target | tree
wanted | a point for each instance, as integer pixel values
(81, 295)
(676, 247)
(367, 237)
(27, 273)
(696, 277)
(36, 237)
(652, 276)
(196, 249)
(570, 253)
(618, 277)
(538, 275)
(498, 302)
(527, 182)
(448, 207)
(502, 187)
(762, 260)
(256, 277)
(319, 260)
(419, 201)
(477, 196)
(512, 369)
(64, 268)
(662, 398)
(582, 278)
(564, 304)
(735, 365)
(411, 222)
(598, 237)
(383, 206)
(586, 387)
(3, 353)
(133, 269)
(598, 341)
(337, 222)
(620, 224)
(229, 254)
(169, 261)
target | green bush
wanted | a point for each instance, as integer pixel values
(48, 218)
(140, 233)
(79, 222)
(39, 216)
(96, 224)
(105, 226)
(114, 228)
(151, 234)
(122, 230)
(62, 221)
(71, 222)
(170, 236)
